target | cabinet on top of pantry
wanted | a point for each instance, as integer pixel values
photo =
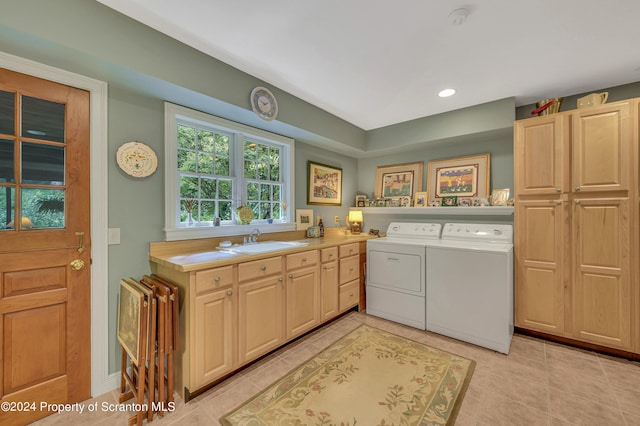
(573, 224)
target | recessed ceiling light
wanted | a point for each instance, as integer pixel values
(446, 93)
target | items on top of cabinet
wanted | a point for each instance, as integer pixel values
(593, 99)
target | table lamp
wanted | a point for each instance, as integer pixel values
(355, 217)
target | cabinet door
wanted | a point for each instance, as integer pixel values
(303, 301)
(328, 290)
(602, 294)
(541, 150)
(541, 245)
(601, 145)
(214, 329)
(260, 317)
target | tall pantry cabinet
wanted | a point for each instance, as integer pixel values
(576, 231)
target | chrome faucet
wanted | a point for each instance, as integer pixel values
(253, 235)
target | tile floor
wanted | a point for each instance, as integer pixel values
(538, 383)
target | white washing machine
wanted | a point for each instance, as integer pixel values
(396, 281)
(470, 284)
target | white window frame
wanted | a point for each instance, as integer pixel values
(175, 114)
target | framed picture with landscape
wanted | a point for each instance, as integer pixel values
(460, 177)
(325, 185)
(130, 321)
(400, 180)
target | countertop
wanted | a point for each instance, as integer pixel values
(188, 257)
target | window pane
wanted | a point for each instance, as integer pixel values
(275, 173)
(249, 169)
(249, 150)
(186, 161)
(42, 119)
(205, 163)
(205, 141)
(222, 166)
(188, 187)
(186, 137)
(208, 188)
(42, 164)
(7, 203)
(6, 161)
(253, 191)
(44, 208)
(276, 192)
(207, 211)
(7, 112)
(265, 192)
(224, 189)
(222, 145)
(276, 211)
(265, 211)
(225, 210)
(263, 153)
(263, 171)
(255, 206)
(274, 156)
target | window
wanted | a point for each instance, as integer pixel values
(214, 166)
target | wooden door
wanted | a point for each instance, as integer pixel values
(213, 342)
(260, 317)
(329, 290)
(302, 301)
(44, 212)
(541, 271)
(602, 292)
(601, 146)
(541, 155)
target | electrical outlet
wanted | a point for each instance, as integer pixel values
(336, 219)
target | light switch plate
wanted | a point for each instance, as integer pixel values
(114, 236)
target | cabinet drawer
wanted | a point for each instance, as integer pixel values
(328, 254)
(213, 279)
(349, 249)
(349, 294)
(259, 268)
(349, 269)
(305, 258)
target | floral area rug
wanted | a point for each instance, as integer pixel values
(369, 377)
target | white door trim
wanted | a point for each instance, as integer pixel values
(101, 380)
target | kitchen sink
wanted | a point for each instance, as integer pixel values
(262, 247)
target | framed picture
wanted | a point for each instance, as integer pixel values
(405, 201)
(480, 202)
(325, 185)
(304, 219)
(401, 180)
(130, 320)
(434, 203)
(361, 200)
(499, 197)
(462, 176)
(449, 201)
(421, 199)
(464, 202)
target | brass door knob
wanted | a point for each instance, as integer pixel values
(77, 264)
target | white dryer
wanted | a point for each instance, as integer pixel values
(470, 284)
(396, 281)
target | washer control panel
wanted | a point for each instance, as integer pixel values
(414, 230)
(478, 232)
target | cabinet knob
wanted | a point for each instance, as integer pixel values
(229, 293)
(280, 279)
(558, 189)
(350, 269)
(558, 202)
(577, 188)
(577, 201)
(350, 251)
(263, 268)
(330, 254)
(217, 279)
(290, 275)
(304, 259)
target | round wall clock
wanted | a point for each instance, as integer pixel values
(137, 159)
(264, 104)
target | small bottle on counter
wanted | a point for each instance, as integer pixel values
(321, 226)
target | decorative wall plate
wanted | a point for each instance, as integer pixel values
(137, 159)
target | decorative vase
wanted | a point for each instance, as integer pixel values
(190, 220)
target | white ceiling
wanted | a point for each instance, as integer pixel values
(375, 63)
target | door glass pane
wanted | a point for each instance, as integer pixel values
(42, 208)
(7, 202)
(42, 164)
(42, 119)
(6, 161)
(7, 112)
